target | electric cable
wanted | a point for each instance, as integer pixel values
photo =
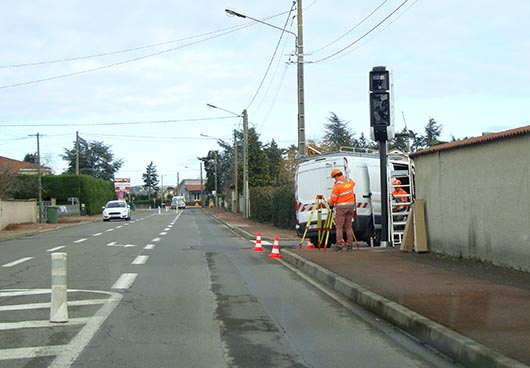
(272, 58)
(350, 30)
(121, 123)
(376, 34)
(138, 48)
(362, 37)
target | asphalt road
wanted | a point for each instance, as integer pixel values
(181, 290)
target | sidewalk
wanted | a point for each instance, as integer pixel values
(478, 314)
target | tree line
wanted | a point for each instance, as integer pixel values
(268, 164)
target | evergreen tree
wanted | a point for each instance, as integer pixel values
(32, 158)
(337, 134)
(95, 159)
(274, 156)
(150, 178)
(433, 130)
(258, 165)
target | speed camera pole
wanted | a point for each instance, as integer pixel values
(382, 130)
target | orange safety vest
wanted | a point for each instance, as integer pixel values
(342, 194)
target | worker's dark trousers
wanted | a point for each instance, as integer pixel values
(343, 222)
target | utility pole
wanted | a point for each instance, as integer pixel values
(246, 209)
(39, 176)
(236, 203)
(200, 168)
(300, 74)
(77, 153)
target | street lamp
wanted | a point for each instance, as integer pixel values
(300, 69)
(246, 201)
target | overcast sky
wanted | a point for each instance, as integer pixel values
(137, 75)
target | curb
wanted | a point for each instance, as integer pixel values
(453, 344)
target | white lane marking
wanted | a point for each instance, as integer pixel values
(108, 230)
(18, 261)
(119, 227)
(125, 281)
(149, 246)
(155, 240)
(78, 343)
(163, 233)
(65, 355)
(72, 303)
(41, 323)
(114, 244)
(39, 351)
(263, 242)
(56, 248)
(140, 260)
(80, 240)
(167, 229)
(97, 234)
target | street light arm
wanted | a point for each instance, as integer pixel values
(234, 13)
(225, 110)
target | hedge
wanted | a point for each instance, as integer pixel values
(94, 193)
(273, 205)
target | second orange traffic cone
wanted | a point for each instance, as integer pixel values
(258, 247)
(276, 249)
(309, 244)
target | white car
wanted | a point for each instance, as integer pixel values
(118, 209)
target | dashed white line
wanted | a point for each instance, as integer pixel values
(155, 240)
(97, 234)
(109, 230)
(80, 240)
(163, 233)
(18, 261)
(140, 260)
(56, 248)
(149, 246)
(125, 281)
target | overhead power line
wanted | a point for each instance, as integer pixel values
(106, 66)
(350, 30)
(121, 123)
(363, 36)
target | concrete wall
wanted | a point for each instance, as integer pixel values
(17, 212)
(477, 200)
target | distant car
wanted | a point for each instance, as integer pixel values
(178, 202)
(118, 209)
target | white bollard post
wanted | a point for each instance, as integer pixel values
(58, 306)
(159, 210)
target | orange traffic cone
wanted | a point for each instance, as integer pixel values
(309, 244)
(258, 247)
(276, 249)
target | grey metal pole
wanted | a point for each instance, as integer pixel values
(384, 192)
(300, 74)
(39, 179)
(236, 204)
(245, 166)
(215, 176)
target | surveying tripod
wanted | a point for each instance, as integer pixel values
(323, 227)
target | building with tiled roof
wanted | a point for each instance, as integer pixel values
(11, 166)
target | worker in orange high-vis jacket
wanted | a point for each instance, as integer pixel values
(343, 200)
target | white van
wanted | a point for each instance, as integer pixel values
(178, 202)
(313, 178)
